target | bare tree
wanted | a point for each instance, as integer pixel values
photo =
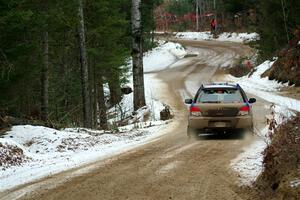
(137, 56)
(87, 117)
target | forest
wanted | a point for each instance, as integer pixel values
(43, 43)
(277, 21)
(149, 99)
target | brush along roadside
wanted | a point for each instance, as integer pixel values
(280, 178)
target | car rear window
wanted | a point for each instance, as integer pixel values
(220, 95)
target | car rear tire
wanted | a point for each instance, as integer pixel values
(192, 132)
(252, 129)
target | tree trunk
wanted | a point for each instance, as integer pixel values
(114, 90)
(197, 15)
(216, 16)
(92, 76)
(137, 56)
(283, 4)
(102, 107)
(84, 70)
(95, 94)
(162, 18)
(45, 78)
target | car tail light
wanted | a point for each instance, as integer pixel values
(244, 110)
(195, 111)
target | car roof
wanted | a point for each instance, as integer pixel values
(220, 85)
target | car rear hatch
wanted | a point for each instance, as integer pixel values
(219, 102)
(219, 109)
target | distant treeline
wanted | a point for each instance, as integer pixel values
(277, 21)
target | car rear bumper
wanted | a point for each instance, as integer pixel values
(238, 122)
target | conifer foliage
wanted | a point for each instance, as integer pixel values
(56, 57)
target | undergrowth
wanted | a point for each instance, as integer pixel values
(282, 163)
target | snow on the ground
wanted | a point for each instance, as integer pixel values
(49, 151)
(154, 105)
(249, 163)
(265, 88)
(295, 183)
(195, 35)
(41, 151)
(162, 56)
(226, 36)
(238, 37)
(159, 58)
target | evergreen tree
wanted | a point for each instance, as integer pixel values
(274, 34)
(40, 57)
(137, 56)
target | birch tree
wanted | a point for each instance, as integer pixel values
(137, 56)
(87, 117)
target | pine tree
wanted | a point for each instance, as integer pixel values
(84, 68)
(45, 70)
(42, 52)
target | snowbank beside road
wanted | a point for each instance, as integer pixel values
(159, 58)
(41, 151)
(265, 88)
(49, 151)
(162, 56)
(249, 163)
(230, 37)
(238, 37)
(125, 107)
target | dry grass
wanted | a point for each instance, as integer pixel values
(239, 70)
(11, 155)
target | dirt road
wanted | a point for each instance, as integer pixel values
(172, 167)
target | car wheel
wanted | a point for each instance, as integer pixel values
(239, 133)
(252, 129)
(192, 132)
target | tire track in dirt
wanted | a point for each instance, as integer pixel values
(197, 169)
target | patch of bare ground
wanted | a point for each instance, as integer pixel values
(221, 72)
(241, 68)
(11, 155)
(280, 178)
(236, 70)
(293, 92)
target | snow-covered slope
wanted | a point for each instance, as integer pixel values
(230, 37)
(37, 151)
(48, 151)
(249, 163)
(159, 58)
(162, 56)
(265, 88)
